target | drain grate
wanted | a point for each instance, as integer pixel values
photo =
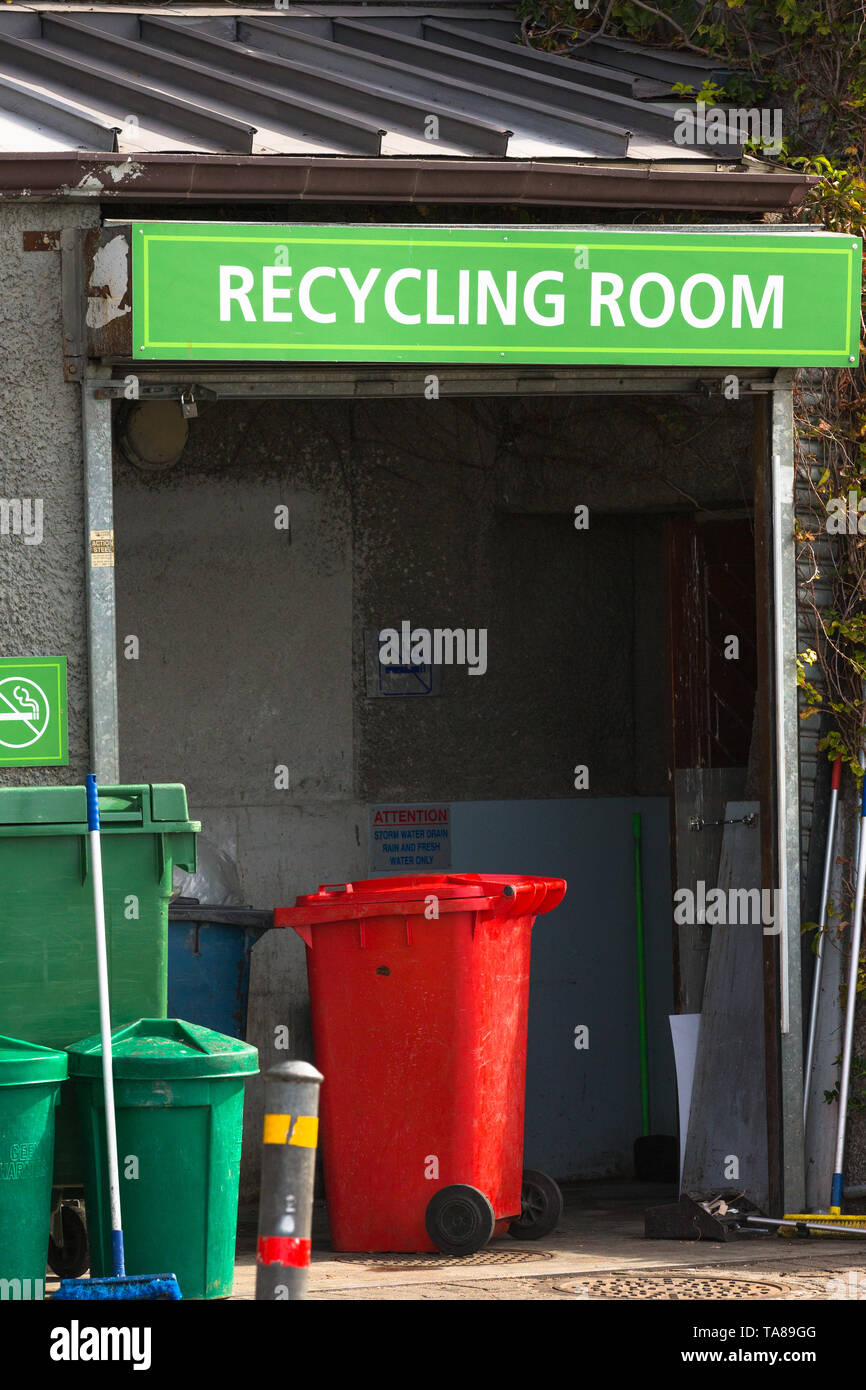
(398, 1261)
(673, 1287)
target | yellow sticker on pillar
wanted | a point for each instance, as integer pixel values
(101, 549)
(281, 1129)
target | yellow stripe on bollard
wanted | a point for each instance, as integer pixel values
(280, 1130)
(306, 1131)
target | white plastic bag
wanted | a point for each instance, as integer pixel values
(216, 880)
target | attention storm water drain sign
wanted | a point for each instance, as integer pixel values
(673, 1287)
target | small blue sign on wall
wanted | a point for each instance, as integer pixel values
(384, 679)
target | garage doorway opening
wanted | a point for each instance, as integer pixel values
(602, 544)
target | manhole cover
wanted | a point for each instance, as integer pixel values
(672, 1286)
(487, 1256)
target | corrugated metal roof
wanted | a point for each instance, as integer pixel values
(393, 80)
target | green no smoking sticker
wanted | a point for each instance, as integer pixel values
(33, 728)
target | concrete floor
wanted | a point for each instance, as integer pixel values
(598, 1251)
(601, 1235)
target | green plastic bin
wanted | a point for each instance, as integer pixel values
(179, 1097)
(30, 1081)
(48, 989)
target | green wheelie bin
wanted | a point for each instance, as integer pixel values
(30, 1081)
(48, 991)
(179, 1099)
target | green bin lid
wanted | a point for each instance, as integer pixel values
(24, 1062)
(155, 807)
(157, 1049)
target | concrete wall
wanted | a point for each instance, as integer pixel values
(244, 666)
(42, 604)
(250, 638)
(244, 651)
(465, 517)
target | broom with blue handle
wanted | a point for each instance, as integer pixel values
(119, 1285)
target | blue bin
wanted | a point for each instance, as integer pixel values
(209, 963)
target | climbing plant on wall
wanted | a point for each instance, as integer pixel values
(807, 59)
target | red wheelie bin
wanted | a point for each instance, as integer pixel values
(419, 989)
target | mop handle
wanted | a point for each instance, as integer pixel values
(850, 1009)
(835, 783)
(105, 1027)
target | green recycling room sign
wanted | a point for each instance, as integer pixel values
(531, 294)
(33, 722)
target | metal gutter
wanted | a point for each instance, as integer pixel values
(301, 178)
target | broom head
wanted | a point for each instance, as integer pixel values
(147, 1287)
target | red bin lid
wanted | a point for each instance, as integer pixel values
(400, 888)
(510, 894)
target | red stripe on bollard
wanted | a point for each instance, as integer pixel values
(283, 1250)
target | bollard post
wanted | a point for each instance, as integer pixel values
(288, 1166)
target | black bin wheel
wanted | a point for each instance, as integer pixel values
(459, 1219)
(71, 1259)
(540, 1207)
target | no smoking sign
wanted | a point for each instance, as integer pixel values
(33, 725)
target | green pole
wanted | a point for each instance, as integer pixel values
(641, 975)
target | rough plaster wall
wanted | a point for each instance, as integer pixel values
(42, 601)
